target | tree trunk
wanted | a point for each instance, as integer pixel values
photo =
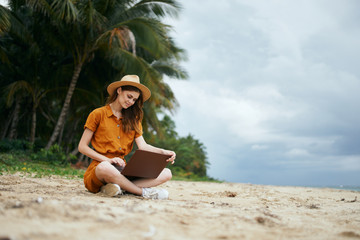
(75, 151)
(7, 126)
(33, 126)
(61, 134)
(15, 120)
(61, 120)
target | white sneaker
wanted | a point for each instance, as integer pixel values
(155, 193)
(111, 189)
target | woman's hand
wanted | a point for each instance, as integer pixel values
(173, 156)
(142, 145)
(117, 162)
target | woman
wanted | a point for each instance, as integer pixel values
(112, 130)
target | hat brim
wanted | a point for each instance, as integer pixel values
(145, 92)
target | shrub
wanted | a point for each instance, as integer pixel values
(54, 155)
(8, 145)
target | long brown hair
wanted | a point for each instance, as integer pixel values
(132, 115)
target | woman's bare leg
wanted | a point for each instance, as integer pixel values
(107, 173)
(164, 176)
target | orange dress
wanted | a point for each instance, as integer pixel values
(109, 140)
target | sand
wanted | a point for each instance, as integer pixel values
(59, 208)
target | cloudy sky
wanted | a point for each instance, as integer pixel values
(274, 89)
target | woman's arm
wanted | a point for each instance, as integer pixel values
(142, 145)
(86, 150)
(91, 153)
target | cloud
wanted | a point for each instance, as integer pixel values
(259, 147)
(296, 152)
(273, 86)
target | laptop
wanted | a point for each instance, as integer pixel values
(145, 164)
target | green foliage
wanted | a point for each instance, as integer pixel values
(16, 154)
(21, 162)
(55, 155)
(191, 160)
(7, 145)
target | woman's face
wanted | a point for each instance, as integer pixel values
(127, 98)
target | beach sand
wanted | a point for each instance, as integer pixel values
(59, 208)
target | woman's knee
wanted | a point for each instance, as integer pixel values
(104, 169)
(166, 175)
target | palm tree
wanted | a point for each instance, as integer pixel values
(116, 26)
(24, 60)
(16, 92)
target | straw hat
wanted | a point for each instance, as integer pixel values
(130, 80)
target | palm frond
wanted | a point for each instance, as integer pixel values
(16, 4)
(122, 59)
(14, 88)
(3, 56)
(17, 27)
(91, 18)
(65, 10)
(40, 5)
(4, 19)
(170, 68)
(150, 34)
(157, 8)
